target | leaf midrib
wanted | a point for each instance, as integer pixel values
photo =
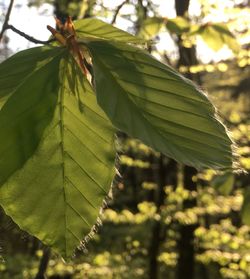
(148, 123)
(145, 117)
(64, 153)
(61, 122)
(202, 101)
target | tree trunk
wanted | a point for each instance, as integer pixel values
(167, 174)
(186, 260)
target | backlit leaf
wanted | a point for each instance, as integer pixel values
(151, 27)
(178, 25)
(57, 194)
(223, 183)
(228, 38)
(154, 25)
(19, 68)
(29, 108)
(96, 28)
(217, 35)
(153, 103)
(212, 38)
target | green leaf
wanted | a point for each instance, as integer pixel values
(228, 38)
(20, 67)
(95, 28)
(212, 38)
(28, 109)
(218, 35)
(153, 103)
(223, 183)
(245, 211)
(178, 25)
(57, 194)
(151, 27)
(154, 25)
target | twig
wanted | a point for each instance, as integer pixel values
(7, 26)
(118, 10)
(43, 264)
(144, 8)
(27, 37)
(6, 20)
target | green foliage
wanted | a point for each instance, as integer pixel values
(21, 66)
(151, 27)
(226, 245)
(78, 133)
(28, 110)
(246, 207)
(162, 109)
(223, 183)
(216, 35)
(57, 150)
(178, 25)
(94, 28)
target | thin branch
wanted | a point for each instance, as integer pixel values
(7, 17)
(118, 10)
(27, 37)
(43, 264)
(7, 26)
(144, 8)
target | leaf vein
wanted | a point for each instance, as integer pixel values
(73, 184)
(79, 165)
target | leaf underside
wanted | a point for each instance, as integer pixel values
(218, 35)
(27, 110)
(95, 28)
(153, 103)
(151, 27)
(58, 192)
(22, 66)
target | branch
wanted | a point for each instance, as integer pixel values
(118, 10)
(7, 17)
(7, 26)
(27, 37)
(43, 264)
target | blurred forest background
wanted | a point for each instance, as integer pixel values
(165, 220)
